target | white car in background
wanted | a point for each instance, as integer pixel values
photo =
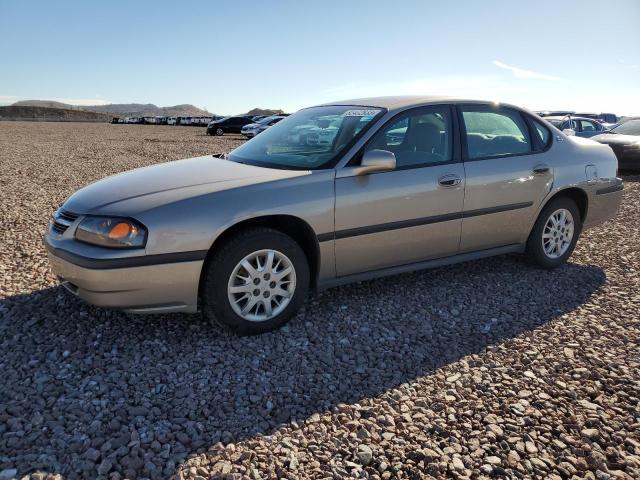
(172, 120)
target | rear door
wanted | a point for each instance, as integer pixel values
(508, 174)
(407, 215)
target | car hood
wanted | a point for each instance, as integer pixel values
(169, 182)
(616, 139)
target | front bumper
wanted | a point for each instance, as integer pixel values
(153, 288)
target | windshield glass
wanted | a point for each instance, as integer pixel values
(630, 127)
(313, 138)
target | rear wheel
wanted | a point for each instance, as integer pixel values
(256, 282)
(219, 132)
(555, 233)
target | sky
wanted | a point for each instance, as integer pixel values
(229, 57)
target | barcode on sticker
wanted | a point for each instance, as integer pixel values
(361, 113)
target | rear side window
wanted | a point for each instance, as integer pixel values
(495, 132)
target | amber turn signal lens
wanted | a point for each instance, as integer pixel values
(120, 230)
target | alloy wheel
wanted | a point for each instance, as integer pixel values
(261, 285)
(557, 233)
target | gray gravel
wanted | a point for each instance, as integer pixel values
(490, 368)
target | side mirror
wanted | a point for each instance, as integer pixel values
(569, 132)
(376, 161)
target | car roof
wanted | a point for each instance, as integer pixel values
(402, 102)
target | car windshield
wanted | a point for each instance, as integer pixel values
(313, 138)
(630, 127)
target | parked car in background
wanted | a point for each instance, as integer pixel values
(253, 129)
(242, 237)
(134, 120)
(184, 120)
(172, 120)
(228, 125)
(581, 127)
(149, 120)
(161, 120)
(554, 113)
(255, 118)
(608, 120)
(624, 140)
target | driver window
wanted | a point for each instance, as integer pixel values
(418, 138)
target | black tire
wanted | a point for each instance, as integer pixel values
(219, 132)
(535, 249)
(216, 306)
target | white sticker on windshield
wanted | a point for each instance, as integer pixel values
(361, 113)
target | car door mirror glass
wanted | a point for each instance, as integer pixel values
(376, 161)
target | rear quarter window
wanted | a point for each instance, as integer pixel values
(542, 135)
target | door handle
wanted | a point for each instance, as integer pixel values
(541, 169)
(450, 180)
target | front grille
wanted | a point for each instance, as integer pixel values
(62, 220)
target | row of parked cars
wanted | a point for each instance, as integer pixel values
(159, 120)
(247, 125)
(621, 134)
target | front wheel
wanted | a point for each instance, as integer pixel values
(219, 132)
(256, 282)
(555, 233)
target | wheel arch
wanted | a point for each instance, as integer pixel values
(290, 225)
(578, 195)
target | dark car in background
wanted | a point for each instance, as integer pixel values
(228, 125)
(624, 140)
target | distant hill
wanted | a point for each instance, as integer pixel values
(137, 109)
(43, 103)
(47, 114)
(148, 110)
(122, 109)
(264, 111)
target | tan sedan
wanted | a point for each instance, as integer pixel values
(332, 194)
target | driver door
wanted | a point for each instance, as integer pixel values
(410, 214)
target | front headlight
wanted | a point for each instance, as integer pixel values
(112, 232)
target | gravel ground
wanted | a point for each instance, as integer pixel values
(486, 369)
